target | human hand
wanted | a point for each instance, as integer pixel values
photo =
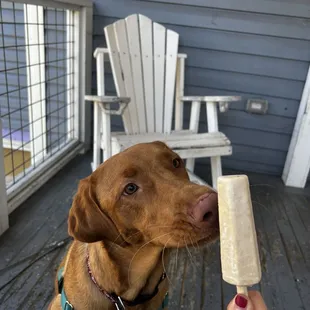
(254, 301)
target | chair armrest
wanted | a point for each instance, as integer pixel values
(223, 101)
(105, 101)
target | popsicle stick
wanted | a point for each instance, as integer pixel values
(242, 290)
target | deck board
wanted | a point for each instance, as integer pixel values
(282, 217)
(278, 267)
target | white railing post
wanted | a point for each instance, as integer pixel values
(4, 213)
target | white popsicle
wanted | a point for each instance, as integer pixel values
(239, 250)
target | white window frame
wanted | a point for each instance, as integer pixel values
(297, 164)
(4, 213)
(80, 139)
(35, 61)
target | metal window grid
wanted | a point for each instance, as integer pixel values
(35, 130)
(45, 71)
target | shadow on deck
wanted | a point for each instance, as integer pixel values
(282, 217)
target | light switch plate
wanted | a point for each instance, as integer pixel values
(257, 106)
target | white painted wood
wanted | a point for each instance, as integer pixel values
(117, 72)
(170, 73)
(106, 134)
(105, 50)
(4, 213)
(98, 122)
(146, 39)
(70, 73)
(205, 140)
(133, 35)
(105, 126)
(216, 165)
(83, 71)
(82, 36)
(35, 59)
(194, 118)
(296, 168)
(212, 117)
(107, 99)
(60, 4)
(197, 138)
(184, 152)
(300, 165)
(211, 98)
(179, 93)
(204, 152)
(193, 126)
(97, 137)
(116, 148)
(159, 71)
(77, 73)
(125, 60)
(162, 80)
(216, 168)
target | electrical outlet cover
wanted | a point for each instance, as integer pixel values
(257, 106)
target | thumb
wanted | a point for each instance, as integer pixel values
(240, 302)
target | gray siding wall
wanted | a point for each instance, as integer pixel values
(257, 50)
(56, 81)
(13, 107)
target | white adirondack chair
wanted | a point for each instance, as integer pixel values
(148, 74)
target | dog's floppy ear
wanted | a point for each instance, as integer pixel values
(87, 222)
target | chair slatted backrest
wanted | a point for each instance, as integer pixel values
(143, 57)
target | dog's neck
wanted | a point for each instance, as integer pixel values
(127, 271)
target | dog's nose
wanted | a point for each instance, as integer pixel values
(206, 209)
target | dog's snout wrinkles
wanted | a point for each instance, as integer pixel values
(205, 211)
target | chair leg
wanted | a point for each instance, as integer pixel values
(190, 164)
(97, 138)
(216, 169)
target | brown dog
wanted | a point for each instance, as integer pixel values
(124, 215)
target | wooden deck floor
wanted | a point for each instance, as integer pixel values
(282, 218)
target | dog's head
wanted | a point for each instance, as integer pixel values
(141, 195)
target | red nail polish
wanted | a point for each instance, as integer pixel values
(241, 301)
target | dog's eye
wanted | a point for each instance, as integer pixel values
(130, 189)
(176, 163)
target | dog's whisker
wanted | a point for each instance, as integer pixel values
(113, 243)
(190, 255)
(176, 257)
(144, 245)
(196, 249)
(163, 261)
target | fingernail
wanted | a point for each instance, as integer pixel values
(241, 301)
